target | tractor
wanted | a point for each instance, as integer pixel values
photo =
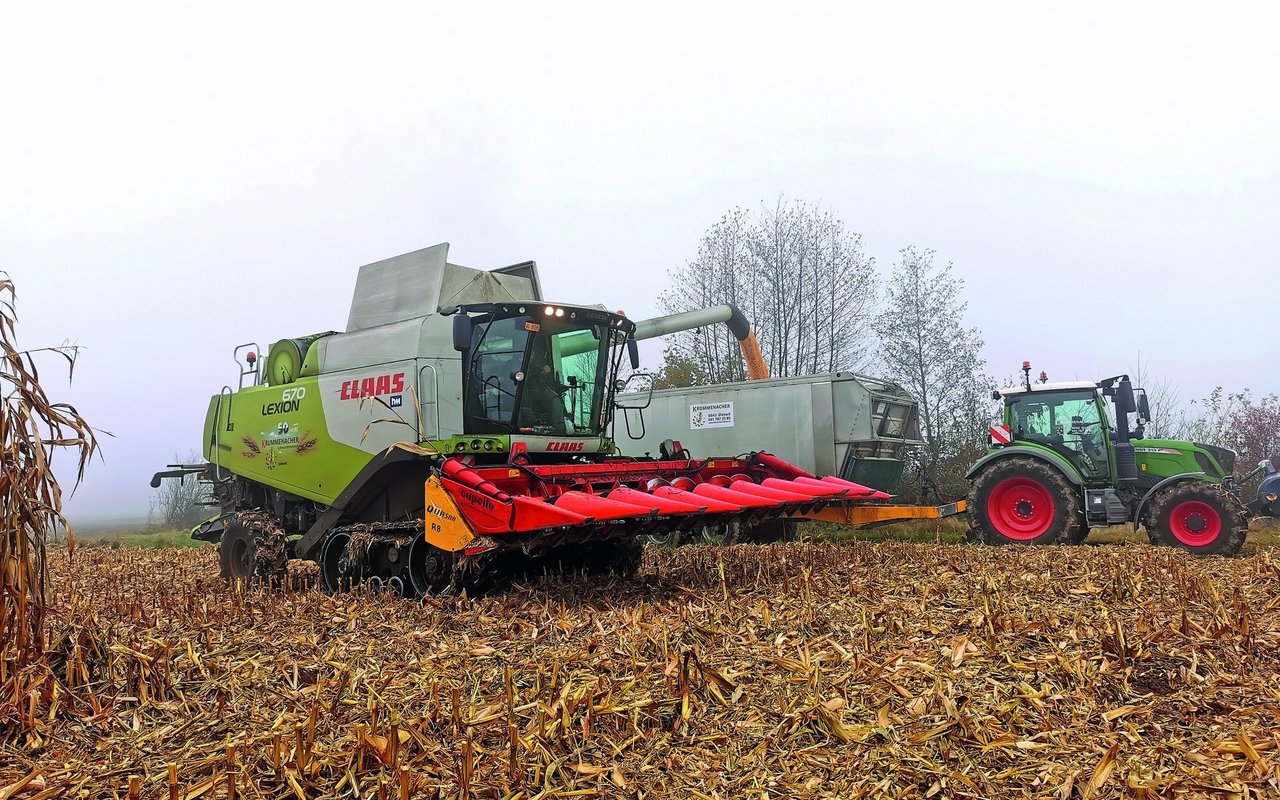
(461, 428)
(1059, 465)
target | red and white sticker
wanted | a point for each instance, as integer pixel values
(1000, 434)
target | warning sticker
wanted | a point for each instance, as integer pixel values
(711, 415)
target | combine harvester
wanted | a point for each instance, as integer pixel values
(462, 423)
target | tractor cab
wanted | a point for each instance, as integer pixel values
(1068, 418)
(1072, 420)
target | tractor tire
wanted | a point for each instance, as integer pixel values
(253, 548)
(1024, 501)
(1198, 516)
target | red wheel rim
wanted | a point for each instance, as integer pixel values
(1020, 508)
(1194, 523)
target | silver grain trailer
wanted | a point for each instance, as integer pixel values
(853, 426)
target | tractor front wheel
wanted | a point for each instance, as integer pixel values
(1201, 517)
(1024, 501)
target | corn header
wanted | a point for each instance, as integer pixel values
(460, 426)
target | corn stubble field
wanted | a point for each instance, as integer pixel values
(801, 670)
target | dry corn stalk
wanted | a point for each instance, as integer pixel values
(32, 428)
(909, 670)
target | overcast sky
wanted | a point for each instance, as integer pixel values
(176, 180)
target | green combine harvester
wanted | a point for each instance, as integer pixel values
(1058, 467)
(461, 427)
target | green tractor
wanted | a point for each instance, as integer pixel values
(1059, 466)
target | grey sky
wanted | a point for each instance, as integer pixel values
(179, 180)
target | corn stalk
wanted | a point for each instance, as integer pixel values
(32, 429)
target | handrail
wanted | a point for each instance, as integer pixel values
(213, 430)
(254, 368)
(435, 397)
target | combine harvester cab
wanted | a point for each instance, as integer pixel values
(460, 423)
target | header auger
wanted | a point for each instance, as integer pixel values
(462, 425)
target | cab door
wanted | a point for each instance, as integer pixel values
(1071, 423)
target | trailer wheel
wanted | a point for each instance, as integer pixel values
(1024, 501)
(1198, 516)
(718, 534)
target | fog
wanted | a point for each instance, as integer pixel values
(179, 180)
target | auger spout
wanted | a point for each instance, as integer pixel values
(728, 314)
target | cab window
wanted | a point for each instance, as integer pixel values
(1069, 423)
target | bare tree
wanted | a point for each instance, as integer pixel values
(800, 277)
(1168, 417)
(926, 348)
(179, 504)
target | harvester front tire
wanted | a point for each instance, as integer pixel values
(1201, 517)
(1021, 500)
(252, 547)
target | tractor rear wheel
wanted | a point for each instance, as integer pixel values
(1020, 500)
(1198, 516)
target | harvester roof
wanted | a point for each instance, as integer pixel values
(423, 282)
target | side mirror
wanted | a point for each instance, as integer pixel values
(633, 353)
(1144, 410)
(461, 332)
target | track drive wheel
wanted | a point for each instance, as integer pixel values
(430, 569)
(339, 572)
(253, 547)
(1021, 500)
(1198, 516)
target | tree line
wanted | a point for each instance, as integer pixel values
(817, 304)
